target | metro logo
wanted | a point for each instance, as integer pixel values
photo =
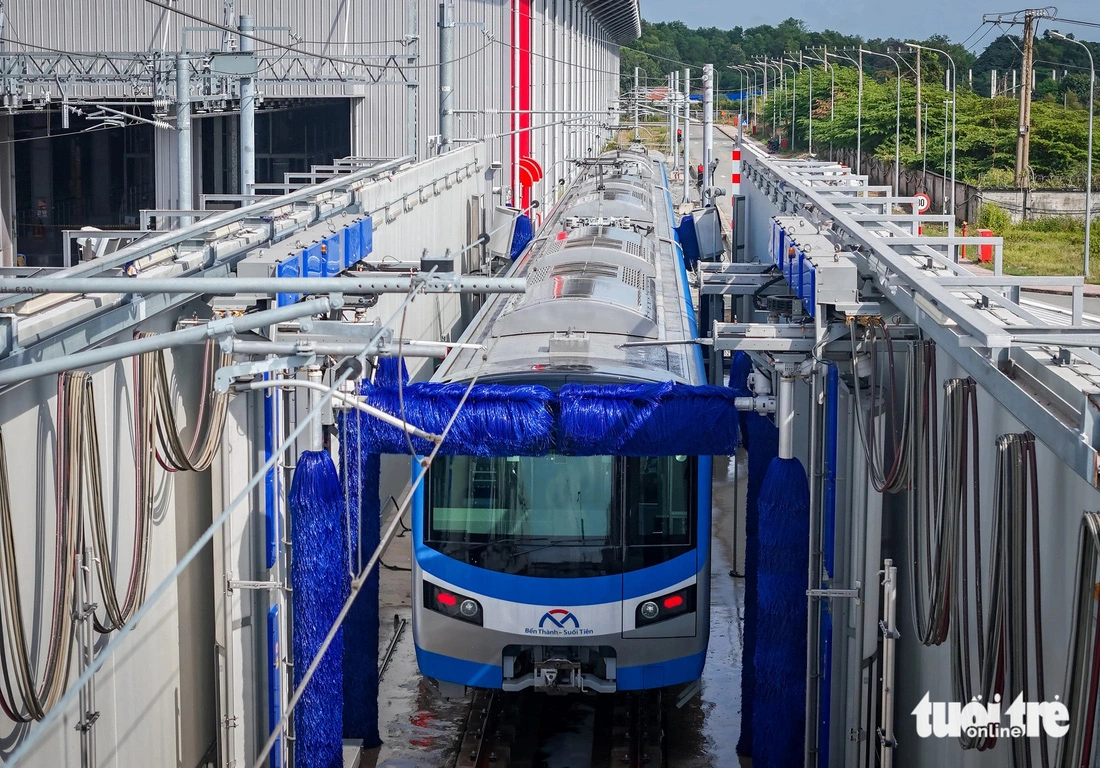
(559, 617)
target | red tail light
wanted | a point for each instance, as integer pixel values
(673, 601)
(447, 599)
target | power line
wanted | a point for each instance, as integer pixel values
(655, 56)
(292, 49)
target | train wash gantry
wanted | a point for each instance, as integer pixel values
(849, 251)
(312, 241)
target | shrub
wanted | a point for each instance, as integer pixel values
(998, 178)
(994, 217)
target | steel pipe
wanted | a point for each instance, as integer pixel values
(212, 329)
(247, 26)
(228, 286)
(348, 401)
(198, 230)
(342, 349)
(784, 418)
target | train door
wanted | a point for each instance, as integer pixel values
(660, 524)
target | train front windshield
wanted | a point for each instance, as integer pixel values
(561, 516)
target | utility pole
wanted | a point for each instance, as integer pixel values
(446, 74)
(183, 134)
(687, 134)
(671, 117)
(859, 118)
(919, 138)
(637, 101)
(708, 129)
(247, 26)
(412, 51)
(675, 95)
(1023, 138)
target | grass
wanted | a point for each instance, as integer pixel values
(653, 136)
(1052, 246)
(1042, 247)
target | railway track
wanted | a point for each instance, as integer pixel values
(539, 731)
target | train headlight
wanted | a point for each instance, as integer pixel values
(665, 607)
(452, 604)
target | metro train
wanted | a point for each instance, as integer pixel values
(573, 573)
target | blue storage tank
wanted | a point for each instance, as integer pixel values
(353, 244)
(291, 267)
(367, 236)
(333, 252)
(313, 264)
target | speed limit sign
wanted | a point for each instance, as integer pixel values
(924, 202)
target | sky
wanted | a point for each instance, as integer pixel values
(958, 19)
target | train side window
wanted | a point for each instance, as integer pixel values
(659, 501)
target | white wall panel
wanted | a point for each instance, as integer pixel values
(140, 690)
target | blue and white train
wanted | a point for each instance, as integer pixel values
(574, 573)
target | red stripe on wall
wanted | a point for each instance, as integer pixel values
(525, 86)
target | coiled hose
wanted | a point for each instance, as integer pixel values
(894, 478)
(171, 454)
(29, 699)
(938, 539)
(1015, 507)
(79, 490)
(1083, 661)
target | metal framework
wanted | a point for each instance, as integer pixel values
(1041, 364)
(49, 320)
(149, 75)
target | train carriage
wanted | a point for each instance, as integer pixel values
(560, 572)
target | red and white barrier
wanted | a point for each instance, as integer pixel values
(736, 172)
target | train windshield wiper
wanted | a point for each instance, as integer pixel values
(561, 541)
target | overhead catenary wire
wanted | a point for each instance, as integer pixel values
(285, 47)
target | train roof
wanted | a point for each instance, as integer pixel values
(604, 271)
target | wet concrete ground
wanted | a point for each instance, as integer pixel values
(421, 730)
(418, 728)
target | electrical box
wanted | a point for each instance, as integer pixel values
(708, 233)
(815, 270)
(277, 261)
(366, 236)
(443, 265)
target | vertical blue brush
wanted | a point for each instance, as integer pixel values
(761, 439)
(360, 505)
(318, 575)
(361, 465)
(779, 713)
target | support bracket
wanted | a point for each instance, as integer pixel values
(224, 377)
(845, 594)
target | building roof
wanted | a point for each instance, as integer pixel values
(622, 19)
